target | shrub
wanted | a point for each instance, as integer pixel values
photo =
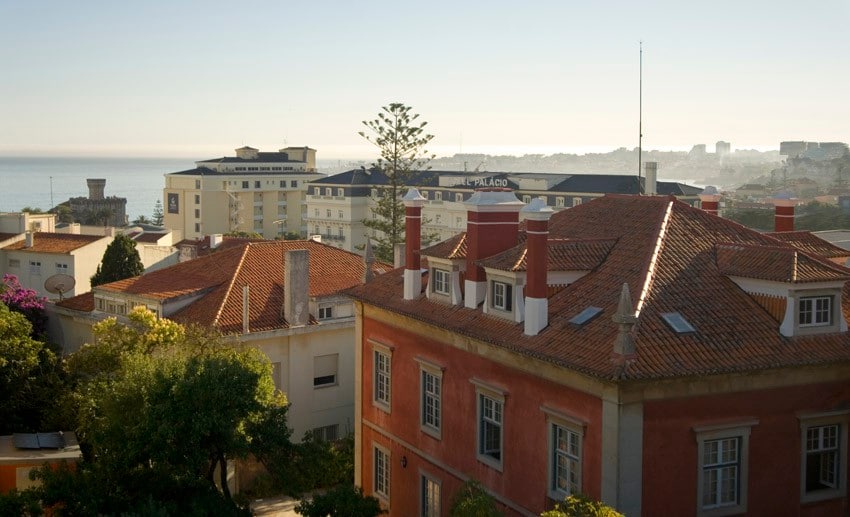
(342, 501)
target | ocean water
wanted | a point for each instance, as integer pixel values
(27, 181)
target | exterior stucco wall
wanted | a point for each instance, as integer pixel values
(670, 465)
(523, 478)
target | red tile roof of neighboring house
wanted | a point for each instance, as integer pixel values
(563, 255)
(665, 251)
(451, 248)
(217, 280)
(811, 243)
(779, 264)
(47, 242)
(4, 236)
(82, 302)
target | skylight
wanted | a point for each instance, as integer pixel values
(677, 322)
(585, 315)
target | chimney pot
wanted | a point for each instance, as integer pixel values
(30, 239)
(783, 219)
(710, 200)
(651, 180)
(413, 202)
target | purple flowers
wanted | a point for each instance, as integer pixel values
(25, 301)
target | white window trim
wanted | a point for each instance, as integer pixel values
(383, 497)
(436, 371)
(386, 405)
(447, 277)
(842, 419)
(423, 476)
(718, 432)
(813, 299)
(573, 423)
(498, 395)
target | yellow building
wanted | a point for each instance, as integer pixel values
(255, 192)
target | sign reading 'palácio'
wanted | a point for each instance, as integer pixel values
(492, 181)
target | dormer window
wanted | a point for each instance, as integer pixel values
(441, 281)
(326, 312)
(502, 294)
(815, 311)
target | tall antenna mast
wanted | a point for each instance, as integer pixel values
(640, 116)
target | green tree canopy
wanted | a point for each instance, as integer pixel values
(28, 378)
(342, 501)
(401, 142)
(120, 260)
(159, 409)
(472, 500)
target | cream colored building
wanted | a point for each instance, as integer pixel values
(337, 205)
(281, 297)
(20, 222)
(262, 192)
(34, 257)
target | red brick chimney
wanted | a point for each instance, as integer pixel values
(710, 200)
(492, 226)
(783, 219)
(413, 202)
(537, 216)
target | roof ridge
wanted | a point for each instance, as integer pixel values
(232, 283)
(653, 259)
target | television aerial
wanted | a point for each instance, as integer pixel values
(59, 283)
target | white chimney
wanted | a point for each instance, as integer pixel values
(30, 239)
(651, 183)
(74, 228)
(296, 285)
(215, 240)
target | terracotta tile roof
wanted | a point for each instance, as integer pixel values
(775, 263)
(451, 248)
(665, 252)
(47, 242)
(563, 255)
(4, 236)
(82, 302)
(811, 243)
(217, 279)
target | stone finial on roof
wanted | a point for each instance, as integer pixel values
(624, 346)
(368, 261)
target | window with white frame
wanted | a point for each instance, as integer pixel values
(431, 403)
(339, 214)
(576, 201)
(14, 263)
(559, 202)
(340, 192)
(565, 460)
(382, 378)
(815, 311)
(502, 294)
(62, 268)
(430, 496)
(328, 191)
(381, 471)
(526, 199)
(490, 421)
(824, 463)
(441, 282)
(459, 197)
(438, 196)
(723, 464)
(35, 267)
(325, 370)
(326, 311)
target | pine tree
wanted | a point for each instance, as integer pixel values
(120, 260)
(401, 142)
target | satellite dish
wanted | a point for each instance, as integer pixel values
(59, 283)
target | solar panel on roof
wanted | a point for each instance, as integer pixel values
(677, 322)
(25, 440)
(586, 315)
(51, 440)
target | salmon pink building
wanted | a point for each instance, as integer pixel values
(634, 348)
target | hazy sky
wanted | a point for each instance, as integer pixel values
(200, 78)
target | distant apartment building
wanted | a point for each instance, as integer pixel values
(722, 148)
(254, 192)
(338, 205)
